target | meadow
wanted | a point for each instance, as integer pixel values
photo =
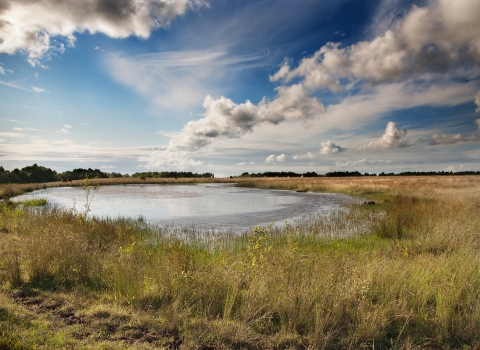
(401, 274)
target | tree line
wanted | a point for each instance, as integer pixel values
(37, 174)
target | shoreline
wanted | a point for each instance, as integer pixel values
(363, 186)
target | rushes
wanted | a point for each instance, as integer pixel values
(404, 273)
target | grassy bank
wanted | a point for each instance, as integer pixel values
(406, 275)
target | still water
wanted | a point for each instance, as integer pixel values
(202, 205)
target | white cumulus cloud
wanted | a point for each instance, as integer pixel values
(273, 158)
(308, 155)
(427, 39)
(33, 27)
(224, 118)
(64, 130)
(37, 89)
(3, 71)
(394, 137)
(477, 100)
(328, 147)
(270, 159)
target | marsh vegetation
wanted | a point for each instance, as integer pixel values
(405, 275)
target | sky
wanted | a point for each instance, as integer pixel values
(234, 86)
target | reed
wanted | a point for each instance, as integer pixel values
(404, 273)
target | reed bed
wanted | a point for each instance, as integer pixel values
(401, 274)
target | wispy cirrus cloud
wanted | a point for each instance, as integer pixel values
(12, 134)
(178, 80)
(15, 85)
(363, 162)
(25, 129)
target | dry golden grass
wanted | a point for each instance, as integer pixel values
(355, 185)
(372, 185)
(410, 279)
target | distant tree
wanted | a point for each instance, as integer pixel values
(310, 174)
(343, 174)
(80, 174)
(29, 174)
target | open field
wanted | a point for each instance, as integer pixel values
(408, 278)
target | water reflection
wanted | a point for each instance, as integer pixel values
(204, 205)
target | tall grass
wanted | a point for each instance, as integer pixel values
(404, 273)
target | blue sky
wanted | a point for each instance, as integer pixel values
(228, 86)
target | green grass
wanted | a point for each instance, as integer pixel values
(404, 274)
(34, 202)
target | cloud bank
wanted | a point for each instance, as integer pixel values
(363, 163)
(33, 26)
(426, 40)
(225, 119)
(450, 139)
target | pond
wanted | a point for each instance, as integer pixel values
(215, 206)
